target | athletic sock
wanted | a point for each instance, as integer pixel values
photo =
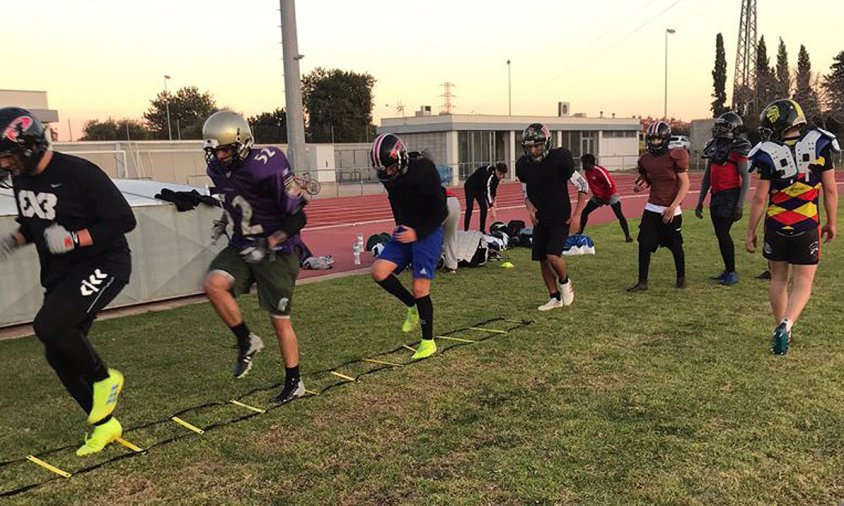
(555, 295)
(426, 316)
(291, 374)
(393, 286)
(241, 332)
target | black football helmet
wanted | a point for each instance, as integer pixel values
(388, 150)
(22, 137)
(658, 130)
(728, 126)
(536, 134)
(779, 116)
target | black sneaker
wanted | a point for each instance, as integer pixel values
(245, 354)
(681, 282)
(765, 275)
(641, 286)
(290, 391)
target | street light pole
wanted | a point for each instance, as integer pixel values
(509, 92)
(665, 108)
(167, 106)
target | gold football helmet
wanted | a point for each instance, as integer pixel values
(226, 129)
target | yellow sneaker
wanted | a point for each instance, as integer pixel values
(105, 396)
(100, 438)
(427, 347)
(411, 320)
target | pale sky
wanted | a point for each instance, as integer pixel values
(99, 58)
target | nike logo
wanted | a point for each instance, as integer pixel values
(55, 185)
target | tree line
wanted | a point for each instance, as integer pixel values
(337, 104)
(821, 96)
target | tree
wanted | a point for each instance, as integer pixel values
(338, 104)
(804, 93)
(115, 130)
(833, 85)
(719, 79)
(765, 82)
(269, 127)
(783, 74)
(188, 111)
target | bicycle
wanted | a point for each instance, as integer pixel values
(309, 185)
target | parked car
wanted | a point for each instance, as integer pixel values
(679, 141)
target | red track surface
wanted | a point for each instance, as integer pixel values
(334, 223)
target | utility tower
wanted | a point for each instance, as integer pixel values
(447, 96)
(744, 78)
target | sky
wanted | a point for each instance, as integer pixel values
(99, 59)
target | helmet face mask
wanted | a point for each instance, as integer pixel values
(227, 140)
(728, 126)
(23, 142)
(536, 134)
(388, 156)
(779, 117)
(657, 137)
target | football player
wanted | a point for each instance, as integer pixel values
(726, 175)
(544, 173)
(482, 187)
(794, 164)
(665, 172)
(419, 207)
(604, 193)
(264, 206)
(78, 221)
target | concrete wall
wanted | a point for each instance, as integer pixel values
(618, 153)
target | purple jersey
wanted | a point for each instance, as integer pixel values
(258, 195)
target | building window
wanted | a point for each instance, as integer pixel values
(476, 148)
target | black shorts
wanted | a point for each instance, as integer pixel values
(85, 289)
(653, 233)
(800, 248)
(723, 204)
(549, 238)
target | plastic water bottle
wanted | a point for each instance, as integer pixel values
(356, 252)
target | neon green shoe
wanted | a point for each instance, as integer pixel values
(105, 396)
(427, 347)
(100, 438)
(411, 320)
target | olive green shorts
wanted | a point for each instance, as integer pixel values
(275, 276)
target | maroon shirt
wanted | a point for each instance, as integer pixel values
(661, 172)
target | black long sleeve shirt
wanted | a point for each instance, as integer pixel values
(417, 198)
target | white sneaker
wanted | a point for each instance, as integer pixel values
(551, 304)
(567, 293)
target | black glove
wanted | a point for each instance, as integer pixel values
(255, 252)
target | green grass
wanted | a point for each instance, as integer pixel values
(664, 397)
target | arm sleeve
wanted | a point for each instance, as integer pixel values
(742, 165)
(114, 216)
(289, 199)
(430, 189)
(704, 185)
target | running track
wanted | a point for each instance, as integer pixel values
(334, 223)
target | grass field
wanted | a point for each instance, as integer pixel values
(664, 397)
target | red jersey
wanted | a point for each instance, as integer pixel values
(600, 182)
(726, 176)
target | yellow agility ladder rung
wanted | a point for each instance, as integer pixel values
(129, 445)
(382, 362)
(311, 392)
(342, 376)
(458, 339)
(247, 406)
(481, 329)
(36, 460)
(409, 348)
(187, 425)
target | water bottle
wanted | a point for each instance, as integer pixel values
(356, 252)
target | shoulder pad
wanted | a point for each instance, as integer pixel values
(833, 141)
(708, 148)
(754, 150)
(741, 146)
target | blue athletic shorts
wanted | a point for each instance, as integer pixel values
(422, 255)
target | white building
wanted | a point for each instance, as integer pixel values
(33, 101)
(467, 141)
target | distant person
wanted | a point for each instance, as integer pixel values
(265, 205)
(604, 193)
(482, 187)
(544, 173)
(664, 171)
(78, 220)
(727, 177)
(794, 164)
(419, 207)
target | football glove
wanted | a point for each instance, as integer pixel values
(60, 240)
(255, 252)
(218, 229)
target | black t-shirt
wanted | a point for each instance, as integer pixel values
(417, 198)
(547, 183)
(483, 182)
(75, 194)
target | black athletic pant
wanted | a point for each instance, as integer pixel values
(482, 205)
(722, 227)
(653, 233)
(616, 209)
(63, 322)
